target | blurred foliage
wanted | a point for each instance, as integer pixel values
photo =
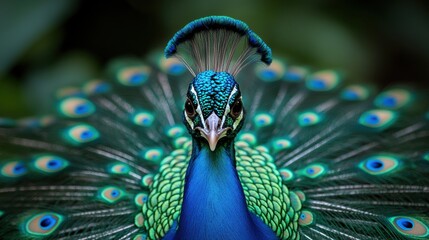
(24, 22)
(47, 44)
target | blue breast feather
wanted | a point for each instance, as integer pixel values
(214, 205)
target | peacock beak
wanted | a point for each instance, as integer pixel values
(212, 131)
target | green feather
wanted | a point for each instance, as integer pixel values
(315, 160)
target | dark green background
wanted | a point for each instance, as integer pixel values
(45, 44)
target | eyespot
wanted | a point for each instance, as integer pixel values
(76, 107)
(236, 109)
(36, 122)
(378, 118)
(273, 72)
(323, 81)
(133, 76)
(263, 119)
(306, 218)
(286, 174)
(154, 154)
(379, 164)
(248, 137)
(394, 98)
(264, 149)
(295, 201)
(118, 168)
(139, 220)
(181, 142)
(140, 199)
(189, 108)
(81, 133)
(301, 195)
(309, 118)
(409, 226)
(355, 93)
(50, 163)
(175, 131)
(43, 224)
(14, 169)
(295, 74)
(69, 92)
(96, 87)
(147, 180)
(314, 170)
(143, 118)
(280, 144)
(46, 120)
(140, 237)
(111, 194)
(172, 66)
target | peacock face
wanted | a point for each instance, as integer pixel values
(213, 109)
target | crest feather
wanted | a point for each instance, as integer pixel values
(217, 43)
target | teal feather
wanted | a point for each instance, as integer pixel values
(315, 158)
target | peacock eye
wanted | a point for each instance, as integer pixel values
(237, 108)
(189, 108)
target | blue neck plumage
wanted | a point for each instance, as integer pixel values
(214, 205)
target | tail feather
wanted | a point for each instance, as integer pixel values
(358, 161)
(86, 169)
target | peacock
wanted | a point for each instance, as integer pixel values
(216, 139)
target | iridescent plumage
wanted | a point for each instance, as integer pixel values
(226, 152)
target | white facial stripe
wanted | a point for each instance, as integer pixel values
(228, 108)
(191, 124)
(238, 120)
(198, 110)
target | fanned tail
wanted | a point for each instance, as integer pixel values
(84, 173)
(357, 160)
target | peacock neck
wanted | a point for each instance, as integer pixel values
(214, 205)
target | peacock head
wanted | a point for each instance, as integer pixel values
(213, 109)
(215, 49)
